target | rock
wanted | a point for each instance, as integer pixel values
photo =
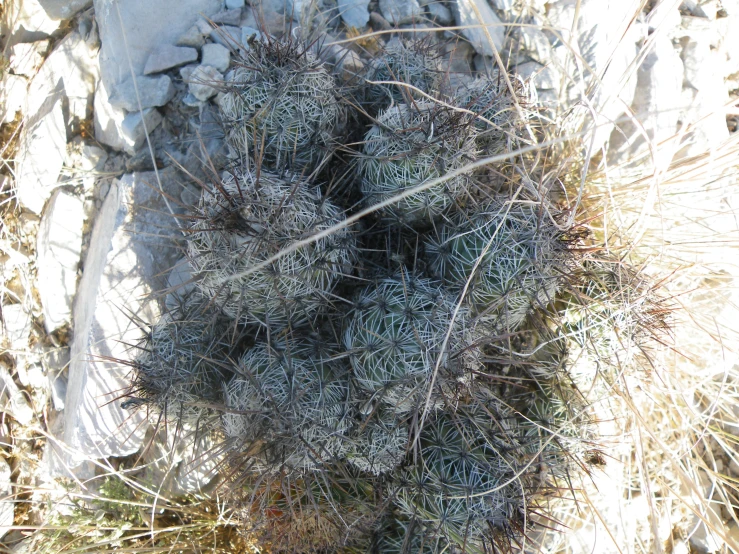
(119, 130)
(31, 21)
(249, 34)
(192, 37)
(58, 386)
(167, 56)
(63, 9)
(354, 13)
(144, 92)
(216, 56)
(141, 161)
(536, 44)
(146, 25)
(227, 17)
(704, 540)
(379, 22)
(131, 246)
(16, 404)
(85, 156)
(440, 13)
(503, 5)
(58, 248)
(41, 153)
(7, 504)
(350, 65)
(656, 102)
(664, 16)
(227, 36)
(544, 78)
(399, 12)
(466, 14)
(26, 58)
(235, 4)
(72, 70)
(203, 81)
(13, 95)
(17, 326)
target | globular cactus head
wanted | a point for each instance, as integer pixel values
(247, 219)
(378, 445)
(501, 114)
(410, 145)
(396, 338)
(280, 105)
(287, 408)
(409, 537)
(514, 257)
(183, 361)
(463, 490)
(415, 62)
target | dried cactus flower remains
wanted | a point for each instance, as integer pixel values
(280, 105)
(246, 219)
(410, 145)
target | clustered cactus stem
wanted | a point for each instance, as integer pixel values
(409, 389)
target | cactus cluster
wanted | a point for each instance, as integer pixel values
(378, 402)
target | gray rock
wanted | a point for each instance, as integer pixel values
(85, 156)
(235, 4)
(146, 25)
(58, 386)
(41, 154)
(227, 17)
(7, 504)
(664, 16)
(503, 5)
(350, 65)
(58, 248)
(63, 9)
(192, 37)
(203, 82)
(216, 56)
(131, 246)
(72, 70)
(26, 58)
(354, 13)
(465, 13)
(228, 36)
(399, 12)
(14, 400)
(544, 78)
(440, 13)
(121, 130)
(31, 21)
(14, 89)
(144, 92)
(141, 161)
(536, 44)
(167, 56)
(248, 34)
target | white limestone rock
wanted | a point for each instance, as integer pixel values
(192, 37)
(203, 81)
(141, 93)
(354, 13)
(167, 56)
(217, 56)
(400, 12)
(58, 248)
(481, 18)
(59, 10)
(131, 33)
(227, 35)
(31, 21)
(130, 249)
(41, 154)
(26, 58)
(439, 13)
(13, 91)
(13, 400)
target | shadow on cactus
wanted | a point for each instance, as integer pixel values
(248, 218)
(411, 144)
(280, 104)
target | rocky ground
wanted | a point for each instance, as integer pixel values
(107, 105)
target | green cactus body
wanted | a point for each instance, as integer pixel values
(458, 489)
(181, 364)
(409, 146)
(415, 63)
(394, 337)
(281, 105)
(286, 408)
(378, 446)
(246, 220)
(520, 261)
(502, 115)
